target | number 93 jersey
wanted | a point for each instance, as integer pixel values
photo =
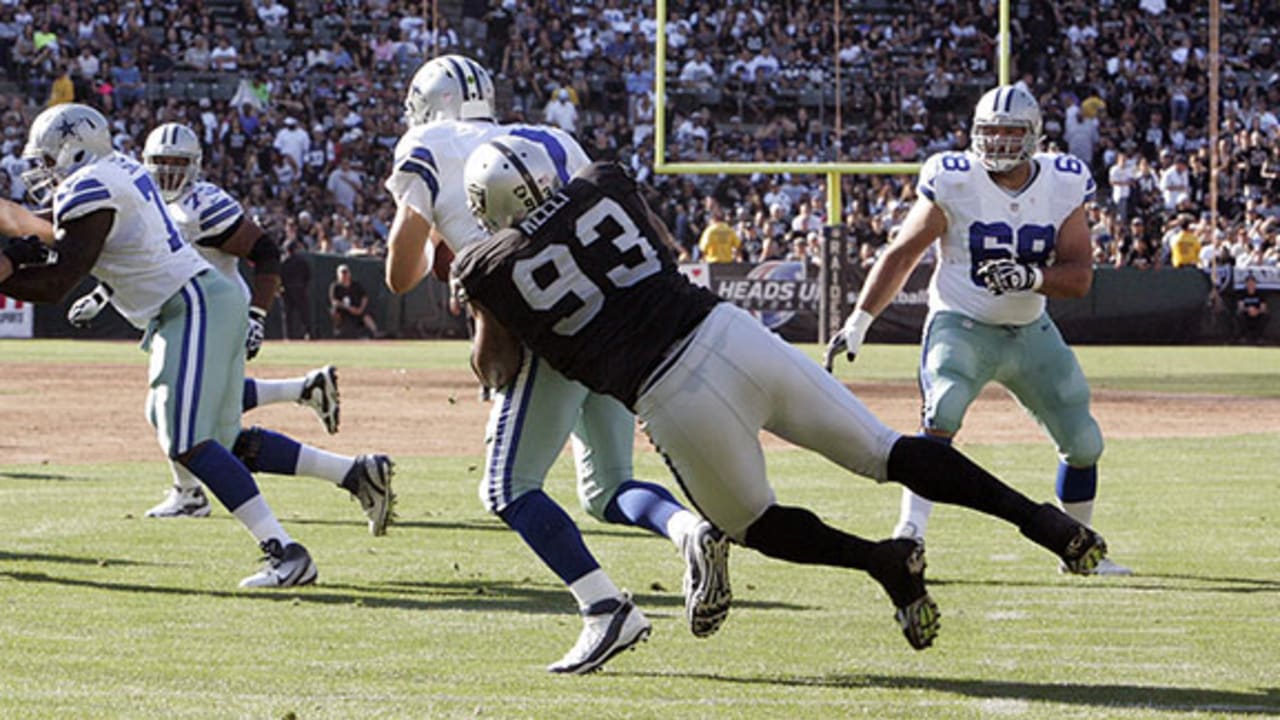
(585, 282)
(986, 221)
(144, 259)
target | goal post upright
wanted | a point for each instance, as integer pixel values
(833, 281)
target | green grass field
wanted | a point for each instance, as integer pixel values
(105, 614)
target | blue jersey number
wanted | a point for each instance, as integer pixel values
(147, 187)
(1030, 245)
(955, 162)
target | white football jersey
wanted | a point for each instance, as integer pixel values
(144, 259)
(429, 159)
(986, 221)
(206, 213)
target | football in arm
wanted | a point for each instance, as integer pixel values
(441, 258)
(495, 352)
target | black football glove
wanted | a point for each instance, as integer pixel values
(28, 252)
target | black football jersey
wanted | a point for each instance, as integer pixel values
(587, 284)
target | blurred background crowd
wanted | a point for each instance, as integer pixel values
(298, 103)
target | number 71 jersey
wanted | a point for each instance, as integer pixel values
(986, 221)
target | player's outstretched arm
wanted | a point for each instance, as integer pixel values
(495, 353)
(17, 221)
(80, 242)
(923, 224)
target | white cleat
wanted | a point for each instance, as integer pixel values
(182, 502)
(609, 627)
(287, 566)
(320, 393)
(369, 481)
(707, 595)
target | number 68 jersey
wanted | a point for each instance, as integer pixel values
(986, 221)
(585, 282)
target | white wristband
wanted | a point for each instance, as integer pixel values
(1037, 278)
(856, 327)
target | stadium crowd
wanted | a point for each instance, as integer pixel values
(298, 104)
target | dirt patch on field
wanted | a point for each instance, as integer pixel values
(72, 414)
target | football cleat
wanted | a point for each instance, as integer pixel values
(1079, 548)
(609, 627)
(182, 502)
(707, 594)
(1106, 568)
(287, 566)
(898, 565)
(369, 481)
(320, 393)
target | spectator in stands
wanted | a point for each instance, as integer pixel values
(1175, 184)
(1184, 243)
(560, 112)
(349, 306)
(293, 142)
(224, 57)
(1251, 310)
(718, 242)
(343, 184)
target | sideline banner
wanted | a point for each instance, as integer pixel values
(17, 318)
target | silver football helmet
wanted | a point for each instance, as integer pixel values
(1007, 106)
(450, 87)
(508, 177)
(63, 139)
(172, 155)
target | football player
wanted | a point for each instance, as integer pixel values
(1011, 230)
(449, 107)
(585, 281)
(215, 224)
(110, 220)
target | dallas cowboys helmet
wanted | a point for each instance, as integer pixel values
(172, 155)
(1007, 106)
(508, 177)
(63, 139)
(450, 87)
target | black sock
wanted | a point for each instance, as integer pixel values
(941, 474)
(797, 535)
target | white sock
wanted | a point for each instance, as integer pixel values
(592, 588)
(317, 463)
(915, 511)
(182, 477)
(1081, 512)
(278, 391)
(260, 521)
(680, 524)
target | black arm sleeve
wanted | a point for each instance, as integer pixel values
(265, 256)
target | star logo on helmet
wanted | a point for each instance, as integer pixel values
(67, 128)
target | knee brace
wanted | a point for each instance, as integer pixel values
(247, 447)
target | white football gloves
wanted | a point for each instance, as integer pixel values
(257, 332)
(1005, 275)
(87, 308)
(849, 338)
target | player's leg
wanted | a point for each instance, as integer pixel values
(957, 359)
(814, 410)
(528, 424)
(1051, 386)
(317, 390)
(705, 416)
(197, 368)
(602, 446)
(184, 499)
(367, 477)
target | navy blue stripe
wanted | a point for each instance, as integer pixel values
(215, 207)
(498, 492)
(552, 146)
(995, 106)
(462, 78)
(201, 330)
(424, 154)
(525, 176)
(525, 398)
(475, 70)
(78, 200)
(927, 192)
(427, 175)
(213, 222)
(1008, 100)
(87, 184)
(178, 383)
